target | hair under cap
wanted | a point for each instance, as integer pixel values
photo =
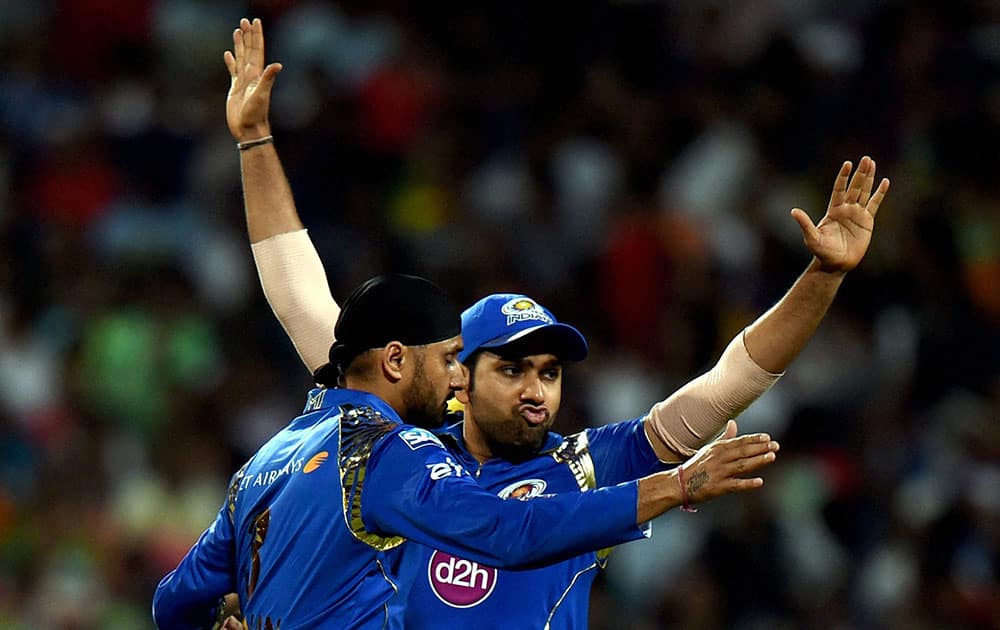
(393, 307)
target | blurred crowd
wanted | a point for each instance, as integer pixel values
(630, 164)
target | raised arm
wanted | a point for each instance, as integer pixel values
(290, 269)
(838, 243)
(755, 359)
(270, 207)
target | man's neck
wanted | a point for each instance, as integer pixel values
(475, 442)
(383, 390)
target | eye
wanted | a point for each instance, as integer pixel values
(510, 370)
(551, 374)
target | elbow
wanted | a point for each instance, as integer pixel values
(162, 619)
(167, 611)
(516, 555)
(509, 560)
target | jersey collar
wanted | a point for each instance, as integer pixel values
(323, 398)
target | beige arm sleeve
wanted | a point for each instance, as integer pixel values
(697, 412)
(297, 290)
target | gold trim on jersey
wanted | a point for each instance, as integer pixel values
(234, 489)
(575, 453)
(360, 429)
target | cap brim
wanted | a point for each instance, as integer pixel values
(562, 340)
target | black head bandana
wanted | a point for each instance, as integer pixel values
(394, 307)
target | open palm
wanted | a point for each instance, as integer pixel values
(841, 238)
(250, 91)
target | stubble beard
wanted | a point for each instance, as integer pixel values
(510, 438)
(423, 406)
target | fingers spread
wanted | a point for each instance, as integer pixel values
(731, 450)
(748, 464)
(257, 43)
(730, 430)
(747, 450)
(270, 72)
(742, 485)
(876, 200)
(238, 47)
(809, 231)
(840, 184)
(866, 185)
(858, 180)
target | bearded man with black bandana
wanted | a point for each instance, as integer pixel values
(514, 352)
(312, 520)
(301, 536)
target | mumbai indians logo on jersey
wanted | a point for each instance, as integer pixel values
(520, 309)
(523, 490)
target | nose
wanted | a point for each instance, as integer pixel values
(533, 391)
(459, 377)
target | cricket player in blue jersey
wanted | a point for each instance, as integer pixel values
(307, 533)
(515, 350)
(303, 533)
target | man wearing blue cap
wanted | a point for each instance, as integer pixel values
(514, 352)
(309, 532)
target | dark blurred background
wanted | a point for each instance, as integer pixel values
(630, 164)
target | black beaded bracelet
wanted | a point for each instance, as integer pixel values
(249, 144)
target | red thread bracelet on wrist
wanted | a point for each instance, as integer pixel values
(685, 506)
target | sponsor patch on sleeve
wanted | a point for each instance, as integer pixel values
(416, 438)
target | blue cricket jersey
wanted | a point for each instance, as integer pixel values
(454, 591)
(308, 523)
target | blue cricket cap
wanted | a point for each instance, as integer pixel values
(503, 318)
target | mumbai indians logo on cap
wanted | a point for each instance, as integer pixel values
(521, 309)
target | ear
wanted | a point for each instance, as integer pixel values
(393, 360)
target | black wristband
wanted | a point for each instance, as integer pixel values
(249, 144)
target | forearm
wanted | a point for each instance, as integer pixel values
(657, 494)
(523, 534)
(718, 468)
(267, 197)
(778, 335)
(296, 288)
(698, 411)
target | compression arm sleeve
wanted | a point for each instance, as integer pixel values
(698, 412)
(424, 495)
(296, 288)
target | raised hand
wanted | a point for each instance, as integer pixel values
(840, 239)
(719, 467)
(250, 90)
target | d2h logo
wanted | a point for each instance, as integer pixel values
(458, 582)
